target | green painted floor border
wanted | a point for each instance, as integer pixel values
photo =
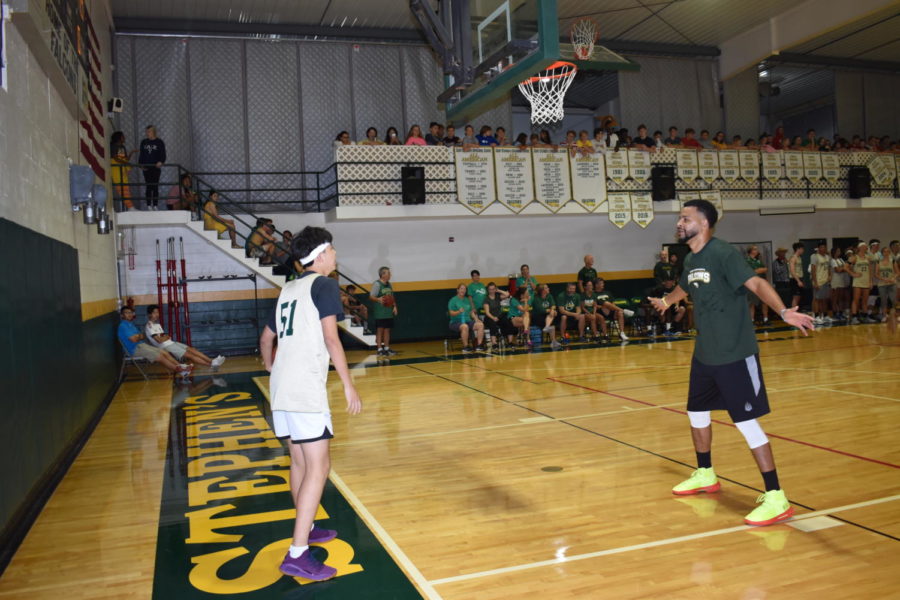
(226, 514)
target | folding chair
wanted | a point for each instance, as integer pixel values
(131, 359)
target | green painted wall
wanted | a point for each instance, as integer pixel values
(55, 369)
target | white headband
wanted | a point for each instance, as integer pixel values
(316, 252)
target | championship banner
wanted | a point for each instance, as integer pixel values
(793, 165)
(515, 178)
(715, 198)
(729, 165)
(831, 167)
(639, 165)
(617, 166)
(709, 165)
(551, 177)
(771, 165)
(619, 208)
(812, 166)
(642, 208)
(883, 169)
(749, 161)
(687, 164)
(475, 178)
(588, 180)
(687, 196)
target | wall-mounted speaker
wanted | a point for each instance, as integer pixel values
(860, 182)
(663, 183)
(413, 185)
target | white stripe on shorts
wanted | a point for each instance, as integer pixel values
(753, 369)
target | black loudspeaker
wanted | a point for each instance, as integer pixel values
(860, 182)
(663, 179)
(413, 184)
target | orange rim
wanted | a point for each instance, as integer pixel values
(557, 65)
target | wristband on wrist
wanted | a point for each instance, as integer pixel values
(781, 312)
(665, 304)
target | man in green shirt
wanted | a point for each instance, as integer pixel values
(608, 310)
(477, 292)
(569, 305)
(384, 311)
(544, 313)
(463, 318)
(587, 273)
(663, 270)
(526, 280)
(725, 371)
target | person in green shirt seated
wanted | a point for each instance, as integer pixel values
(477, 291)
(526, 280)
(463, 319)
(520, 310)
(608, 310)
(591, 311)
(587, 273)
(495, 320)
(544, 313)
(569, 306)
(663, 270)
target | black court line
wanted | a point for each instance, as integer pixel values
(650, 452)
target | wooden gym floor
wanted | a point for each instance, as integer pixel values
(522, 476)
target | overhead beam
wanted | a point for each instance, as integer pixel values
(799, 24)
(188, 26)
(857, 64)
(659, 49)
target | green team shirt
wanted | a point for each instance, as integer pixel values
(457, 303)
(601, 297)
(714, 278)
(531, 284)
(379, 290)
(663, 271)
(543, 305)
(477, 292)
(755, 263)
(515, 308)
(587, 274)
(590, 303)
(569, 303)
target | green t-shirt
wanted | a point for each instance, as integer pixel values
(755, 263)
(515, 308)
(587, 274)
(543, 305)
(590, 303)
(477, 292)
(532, 283)
(457, 303)
(568, 303)
(663, 271)
(604, 296)
(380, 289)
(715, 278)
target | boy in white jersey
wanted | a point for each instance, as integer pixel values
(305, 325)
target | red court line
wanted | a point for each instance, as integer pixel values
(774, 435)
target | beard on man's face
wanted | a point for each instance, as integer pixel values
(684, 235)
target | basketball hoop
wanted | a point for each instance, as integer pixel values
(584, 33)
(546, 91)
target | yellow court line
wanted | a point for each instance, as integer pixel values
(819, 387)
(369, 519)
(665, 542)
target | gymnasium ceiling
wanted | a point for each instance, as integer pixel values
(656, 25)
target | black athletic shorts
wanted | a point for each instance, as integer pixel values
(737, 387)
(384, 323)
(796, 290)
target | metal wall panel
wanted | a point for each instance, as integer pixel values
(160, 74)
(124, 88)
(423, 82)
(742, 104)
(376, 89)
(325, 100)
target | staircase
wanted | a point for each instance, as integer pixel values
(183, 218)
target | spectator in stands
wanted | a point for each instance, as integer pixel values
(486, 137)
(623, 140)
(522, 140)
(570, 139)
(781, 276)
(673, 314)
(736, 141)
(612, 139)
(673, 139)
(391, 138)
(476, 291)
(534, 140)
(182, 196)
(500, 136)
(795, 268)
(786, 144)
(751, 144)
(676, 266)
(495, 320)
(120, 168)
(765, 144)
(658, 140)
(440, 135)
(545, 138)
(433, 137)
(643, 141)
(719, 142)
(860, 268)
(284, 261)
(342, 139)
(663, 269)
(260, 243)
(385, 309)
(823, 144)
(520, 311)
(760, 269)
(797, 144)
(469, 140)
(213, 221)
(544, 313)
(135, 345)
(599, 141)
(704, 140)
(359, 312)
(590, 309)
(608, 310)
(451, 139)
(811, 142)
(152, 157)
(583, 144)
(414, 137)
(371, 138)
(856, 143)
(156, 335)
(463, 320)
(587, 273)
(689, 141)
(778, 138)
(526, 280)
(568, 304)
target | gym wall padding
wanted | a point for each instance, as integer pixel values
(56, 371)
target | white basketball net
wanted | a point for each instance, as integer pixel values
(584, 34)
(546, 92)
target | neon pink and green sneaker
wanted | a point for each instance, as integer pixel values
(773, 508)
(701, 480)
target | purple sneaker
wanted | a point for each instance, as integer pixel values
(306, 566)
(320, 536)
